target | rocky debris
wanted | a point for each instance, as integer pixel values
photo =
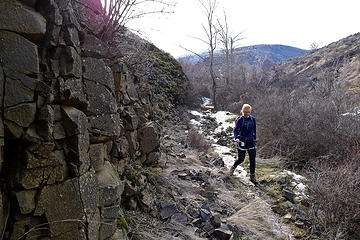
(75, 118)
(167, 210)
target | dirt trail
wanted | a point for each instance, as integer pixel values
(202, 180)
(197, 199)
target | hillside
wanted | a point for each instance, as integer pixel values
(256, 55)
(338, 63)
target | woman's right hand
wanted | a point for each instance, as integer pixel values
(237, 140)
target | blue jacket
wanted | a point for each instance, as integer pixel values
(245, 131)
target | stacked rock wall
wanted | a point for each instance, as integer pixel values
(72, 117)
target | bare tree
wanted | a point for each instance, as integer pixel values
(314, 46)
(228, 42)
(117, 13)
(208, 7)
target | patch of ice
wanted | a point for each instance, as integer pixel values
(196, 123)
(294, 175)
(196, 113)
(301, 187)
(222, 117)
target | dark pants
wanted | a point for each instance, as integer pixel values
(241, 158)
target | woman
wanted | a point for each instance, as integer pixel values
(245, 137)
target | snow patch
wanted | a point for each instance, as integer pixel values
(221, 118)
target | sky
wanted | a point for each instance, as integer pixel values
(296, 23)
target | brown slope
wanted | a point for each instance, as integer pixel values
(338, 62)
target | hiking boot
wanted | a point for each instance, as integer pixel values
(253, 179)
(232, 170)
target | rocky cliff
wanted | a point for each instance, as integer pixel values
(77, 112)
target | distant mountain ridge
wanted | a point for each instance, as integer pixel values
(253, 55)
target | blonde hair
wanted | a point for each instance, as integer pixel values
(245, 106)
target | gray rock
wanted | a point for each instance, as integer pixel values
(179, 218)
(67, 217)
(93, 47)
(216, 220)
(22, 114)
(152, 158)
(18, 54)
(148, 138)
(120, 234)
(15, 17)
(110, 186)
(58, 131)
(121, 148)
(107, 229)
(26, 201)
(70, 63)
(72, 93)
(13, 130)
(98, 72)
(110, 213)
(101, 100)
(75, 121)
(197, 222)
(97, 155)
(71, 36)
(223, 233)
(131, 119)
(108, 125)
(41, 155)
(289, 195)
(167, 211)
(17, 92)
(78, 154)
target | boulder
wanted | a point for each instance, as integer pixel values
(15, 17)
(58, 131)
(289, 195)
(131, 119)
(67, 218)
(18, 54)
(97, 155)
(71, 36)
(12, 130)
(223, 234)
(216, 220)
(70, 63)
(94, 47)
(78, 147)
(19, 91)
(179, 218)
(148, 138)
(110, 186)
(120, 148)
(101, 100)
(152, 158)
(22, 114)
(26, 201)
(97, 71)
(75, 121)
(167, 210)
(108, 125)
(72, 93)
